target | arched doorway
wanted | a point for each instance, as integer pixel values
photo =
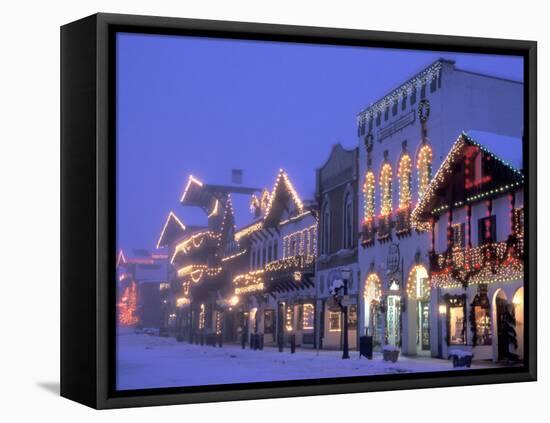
(418, 292)
(500, 310)
(372, 312)
(517, 302)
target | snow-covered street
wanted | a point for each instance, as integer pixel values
(145, 361)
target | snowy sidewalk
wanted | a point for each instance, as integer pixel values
(146, 361)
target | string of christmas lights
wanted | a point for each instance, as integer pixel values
(290, 189)
(368, 192)
(127, 306)
(373, 287)
(423, 78)
(386, 190)
(424, 169)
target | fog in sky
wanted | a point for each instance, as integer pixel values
(201, 106)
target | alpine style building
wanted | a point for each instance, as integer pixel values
(421, 222)
(403, 138)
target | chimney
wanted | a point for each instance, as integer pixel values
(237, 176)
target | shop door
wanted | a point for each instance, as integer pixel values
(393, 318)
(424, 325)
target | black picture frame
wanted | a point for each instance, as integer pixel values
(88, 209)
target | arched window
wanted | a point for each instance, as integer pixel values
(424, 169)
(417, 283)
(373, 287)
(386, 190)
(325, 235)
(368, 192)
(372, 310)
(348, 220)
(404, 173)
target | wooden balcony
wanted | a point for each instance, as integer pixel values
(367, 233)
(499, 261)
(290, 265)
(403, 222)
(384, 228)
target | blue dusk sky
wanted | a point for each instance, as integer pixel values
(201, 106)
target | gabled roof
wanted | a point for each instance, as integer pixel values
(507, 171)
(283, 191)
(173, 227)
(507, 149)
(121, 260)
(193, 195)
(199, 194)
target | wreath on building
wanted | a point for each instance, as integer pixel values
(423, 110)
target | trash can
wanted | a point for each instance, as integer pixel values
(292, 343)
(365, 346)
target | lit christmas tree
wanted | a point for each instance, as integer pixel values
(128, 306)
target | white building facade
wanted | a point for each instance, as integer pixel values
(402, 137)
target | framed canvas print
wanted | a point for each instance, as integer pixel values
(258, 211)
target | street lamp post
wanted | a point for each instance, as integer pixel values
(346, 273)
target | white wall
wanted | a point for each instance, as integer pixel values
(29, 173)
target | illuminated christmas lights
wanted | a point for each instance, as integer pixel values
(416, 273)
(197, 271)
(305, 239)
(248, 230)
(386, 190)
(294, 218)
(292, 262)
(183, 301)
(215, 209)
(195, 241)
(202, 316)
(424, 169)
(127, 306)
(120, 259)
(308, 316)
(240, 253)
(423, 78)
(192, 180)
(249, 288)
(373, 287)
(488, 263)
(290, 189)
(446, 171)
(368, 193)
(171, 216)
(404, 173)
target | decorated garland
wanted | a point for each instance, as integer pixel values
(423, 110)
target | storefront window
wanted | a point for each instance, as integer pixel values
(482, 325)
(307, 316)
(456, 325)
(289, 324)
(334, 321)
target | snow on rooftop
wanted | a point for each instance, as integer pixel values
(508, 149)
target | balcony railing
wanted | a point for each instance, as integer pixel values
(302, 263)
(403, 222)
(483, 264)
(384, 228)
